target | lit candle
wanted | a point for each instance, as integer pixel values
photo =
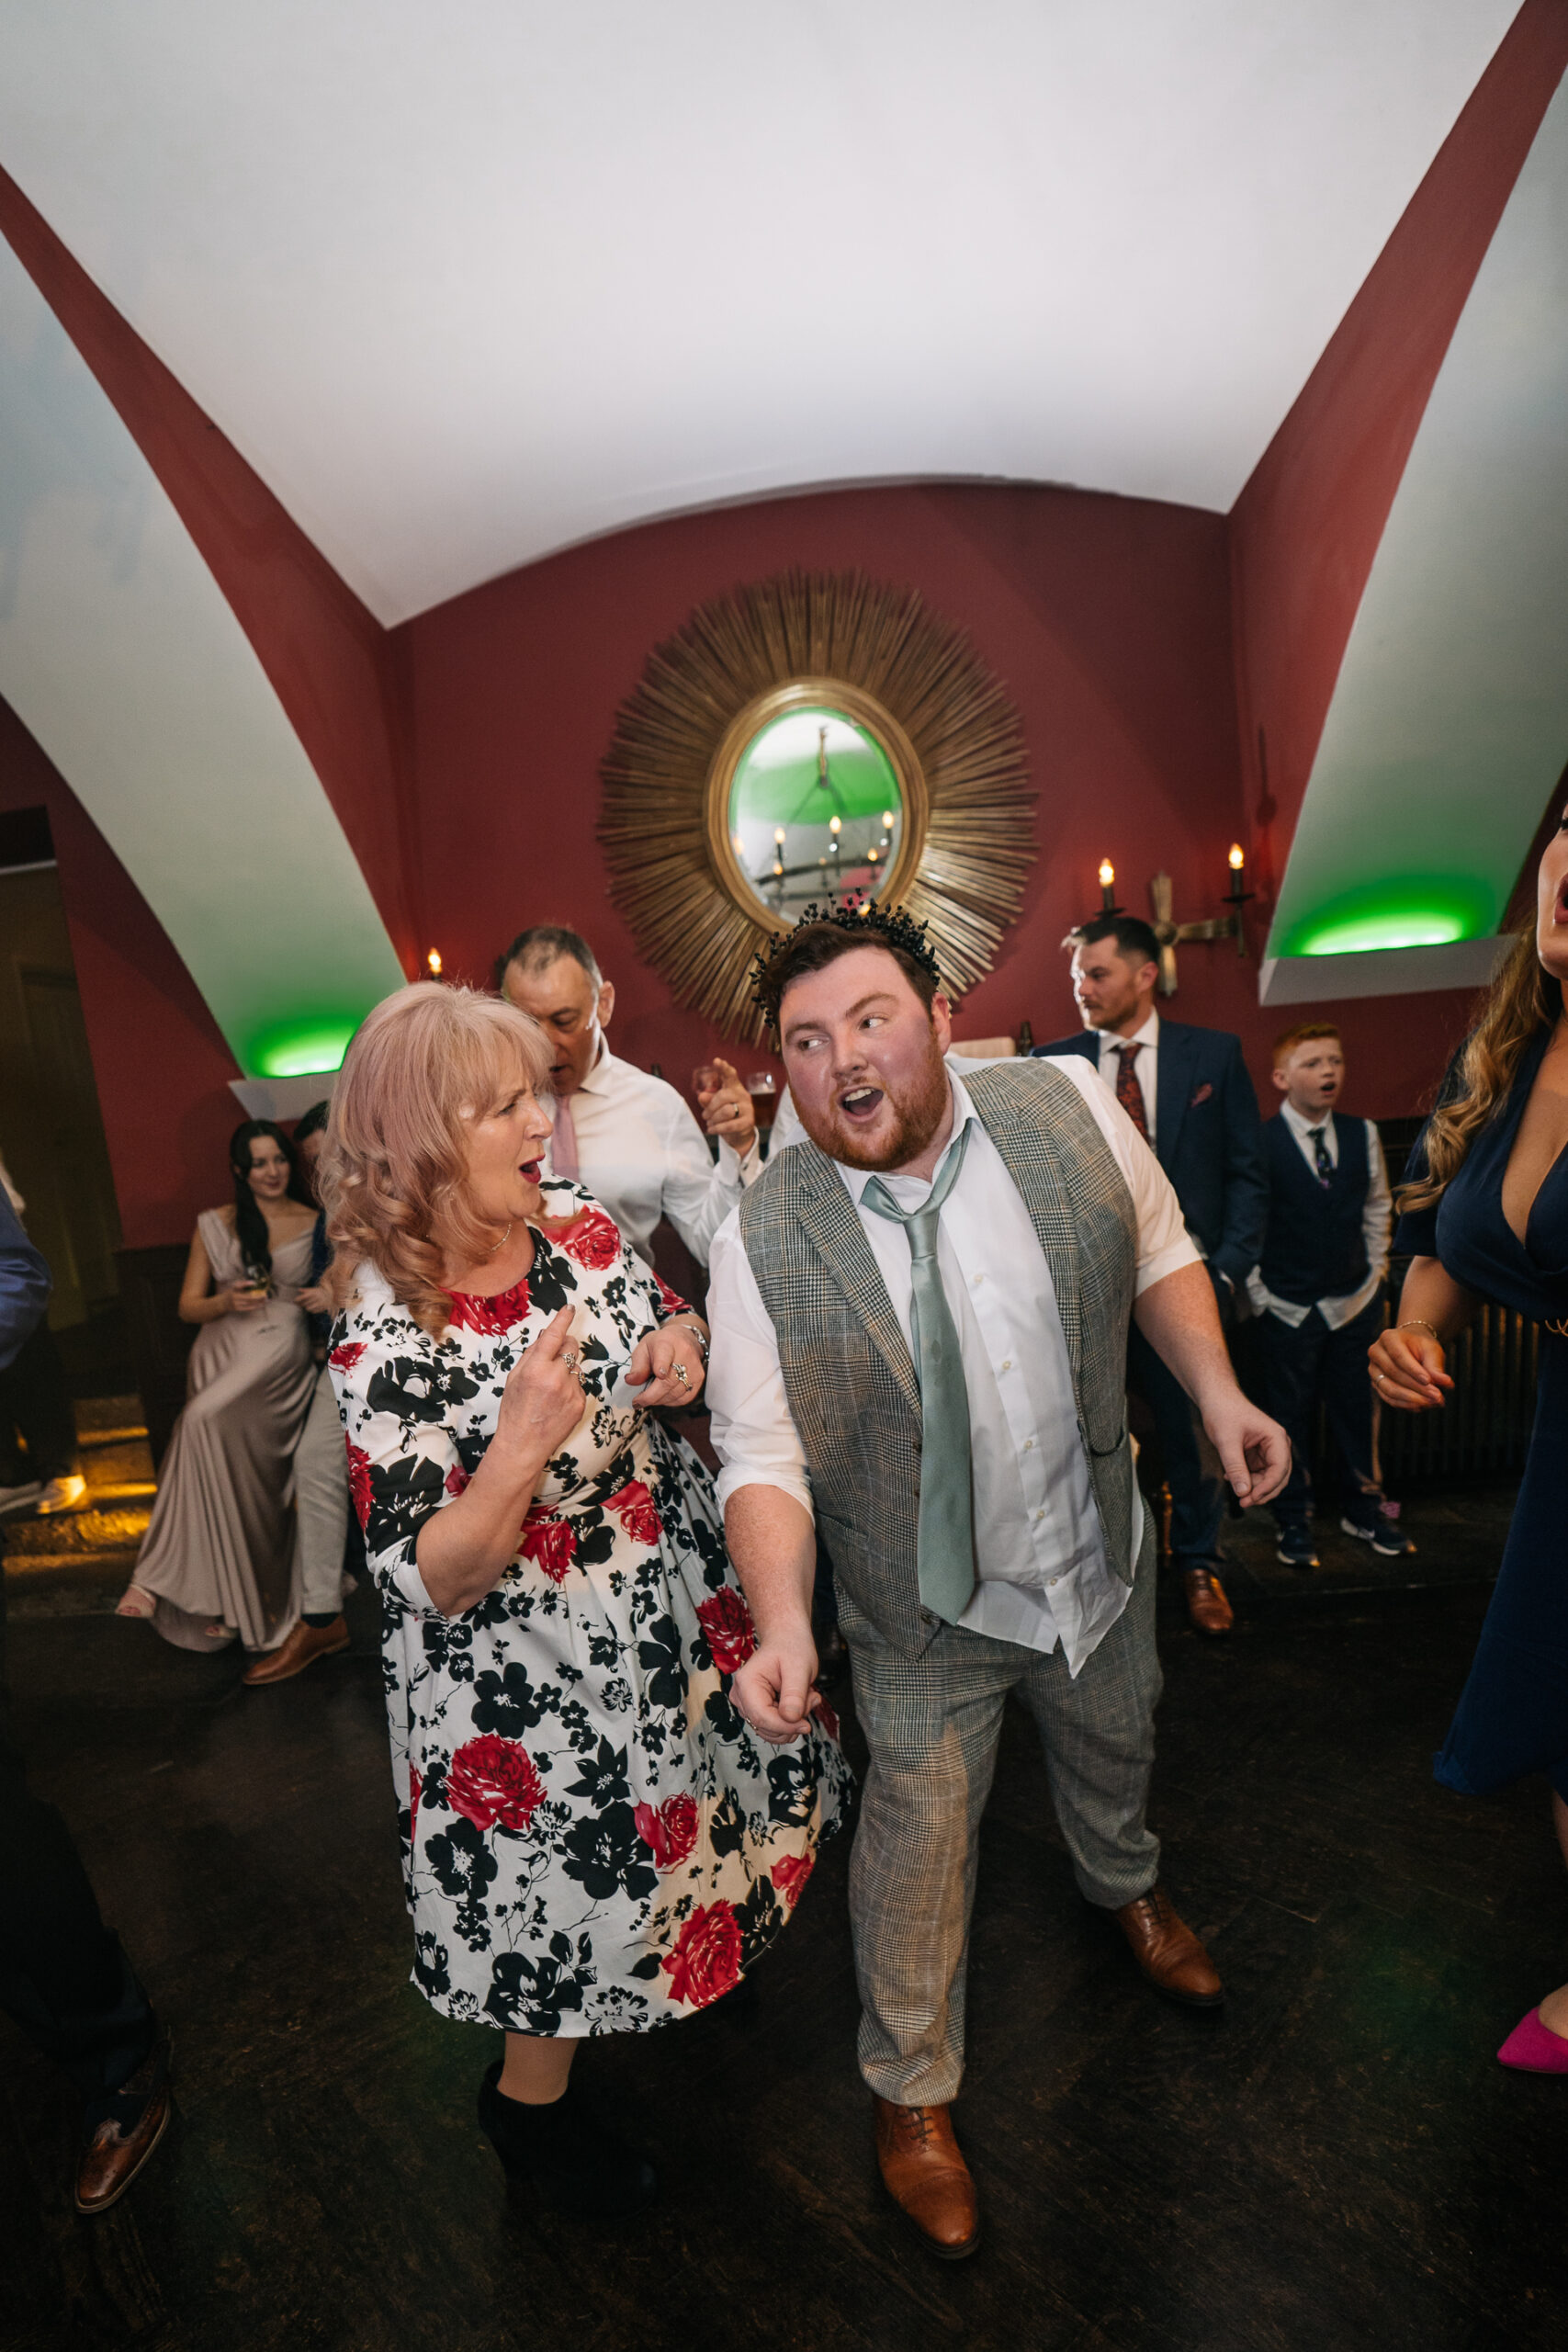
(834, 825)
(434, 960)
(779, 835)
(1237, 857)
(1106, 875)
(887, 821)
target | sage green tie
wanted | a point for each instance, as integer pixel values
(944, 1557)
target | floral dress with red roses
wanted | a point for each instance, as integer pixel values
(594, 1841)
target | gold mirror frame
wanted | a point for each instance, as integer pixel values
(868, 714)
(912, 681)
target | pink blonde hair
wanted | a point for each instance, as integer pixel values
(393, 1170)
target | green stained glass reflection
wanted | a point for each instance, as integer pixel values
(816, 810)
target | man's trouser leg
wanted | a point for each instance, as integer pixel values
(34, 1399)
(321, 1504)
(931, 1724)
(1346, 1390)
(1292, 1357)
(1197, 1495)
(62, 1974)
(1099, 1736)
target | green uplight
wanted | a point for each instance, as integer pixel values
(1425, 913)
(295, 1052)
(1364, 934)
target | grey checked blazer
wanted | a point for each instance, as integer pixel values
(847, 1371)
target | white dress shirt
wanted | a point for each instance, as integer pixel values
(1377, 1220)
(1039, 1547)
(641, 1152)
(1146, 1065)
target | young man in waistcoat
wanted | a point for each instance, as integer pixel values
(1318, 1289)
(919, 1323)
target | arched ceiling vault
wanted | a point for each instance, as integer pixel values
(465, 285)
(1448, 723)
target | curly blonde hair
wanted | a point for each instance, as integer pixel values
(393, 1170)
(1523, 1000)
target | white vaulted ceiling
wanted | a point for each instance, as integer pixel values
(467, 284)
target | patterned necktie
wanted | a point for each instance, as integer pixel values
(1324, 1165)
(1129, 1093)
(944, 1557)
(563, 1141)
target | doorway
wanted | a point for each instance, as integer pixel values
(51, 1133)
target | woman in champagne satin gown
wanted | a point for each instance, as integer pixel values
(219, 1558)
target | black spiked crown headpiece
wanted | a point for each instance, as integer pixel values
(889, 926)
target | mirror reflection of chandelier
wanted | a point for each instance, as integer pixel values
(816, 810)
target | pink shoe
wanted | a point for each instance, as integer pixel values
(1534, 2049)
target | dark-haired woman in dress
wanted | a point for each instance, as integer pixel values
(1485, 1215)
(219, 1559)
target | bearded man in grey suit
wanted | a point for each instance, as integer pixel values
(919, 1323)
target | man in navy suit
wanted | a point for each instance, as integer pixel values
(1187, 1089)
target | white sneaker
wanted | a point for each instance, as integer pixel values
(63, 1494)
(18, 1499)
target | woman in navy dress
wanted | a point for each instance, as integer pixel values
(1485, 1215)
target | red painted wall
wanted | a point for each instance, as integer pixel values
(1110, 620)
(1307, 527)
(162, 1066)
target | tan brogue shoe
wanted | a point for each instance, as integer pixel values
(303, 1646)
(1206, 1604)
(1168, 1952)
(123, 2129)
(927, 2177)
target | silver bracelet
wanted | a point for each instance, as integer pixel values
(700, 1335)
(1419, 1323)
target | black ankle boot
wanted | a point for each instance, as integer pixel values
(563, 2153)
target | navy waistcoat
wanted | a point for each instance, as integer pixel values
(1315, 1246)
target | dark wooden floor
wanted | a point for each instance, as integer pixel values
(1337, 2162)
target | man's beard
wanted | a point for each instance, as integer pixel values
(917, 1115)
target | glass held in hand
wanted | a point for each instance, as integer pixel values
(764, 1088)
(706, 1079)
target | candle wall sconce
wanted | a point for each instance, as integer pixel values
(818, 737)
(1172, 934)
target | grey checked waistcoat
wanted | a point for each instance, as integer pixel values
(847, 1371)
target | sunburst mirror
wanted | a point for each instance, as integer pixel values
(816, 737)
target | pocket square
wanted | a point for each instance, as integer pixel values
(1202, 1096)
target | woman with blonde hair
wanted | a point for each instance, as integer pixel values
(1485, 1215)
(593, 1840)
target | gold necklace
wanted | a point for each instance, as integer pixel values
(501, 1243)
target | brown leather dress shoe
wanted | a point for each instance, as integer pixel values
(1206, 1602)
(123, 2129)
(303, 1646)
(927, 2177)
(1168, 1952)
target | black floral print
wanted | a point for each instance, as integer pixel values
(593, 1839)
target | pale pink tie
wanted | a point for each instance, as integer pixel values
(563, 1142)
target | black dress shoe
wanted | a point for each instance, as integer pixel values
(563, 2154)
(120, 2131)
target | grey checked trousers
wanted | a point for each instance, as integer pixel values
(932, 1724)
